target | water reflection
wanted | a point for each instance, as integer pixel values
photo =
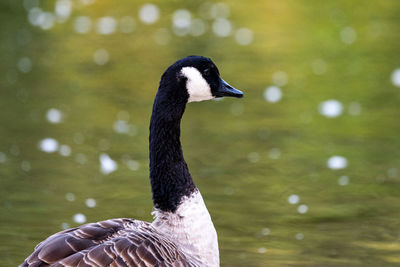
(348, 35)
(272, 94)
(354, 108)
(106, 25)
(319, 66)
(101, 56)
(222, 27)
(127, 24)
(63, 10)
(70, 196)
(107, 165)
(244, 36)
(82, 24)
(149, 13)
(64, 150)
(48, 145)
(302, 209)
(24, 65)
(331, 108)
(337, 162)
(343, 180)
(54, 115)
(79, 218)
(3, 157)
(299, 236)
(280, 78)
(90, 202)
(293, 199)
(396, 77)
(26, 166)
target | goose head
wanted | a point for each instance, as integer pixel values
(199, 79)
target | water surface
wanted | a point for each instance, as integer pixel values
(303, 171)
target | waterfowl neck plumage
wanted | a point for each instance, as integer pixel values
(169, 174)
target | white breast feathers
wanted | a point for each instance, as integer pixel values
(191, 227)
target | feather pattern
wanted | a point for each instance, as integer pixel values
(182, 233)
(115, 242)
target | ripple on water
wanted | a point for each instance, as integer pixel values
(79, 138)
(272, 94)
(396, 77)
(121, 126)
(64, 150)
(29, 4)
(63, 9)
(82, 24)
(162, 36)
(149, 13)
(54, 115)
(48, 145)
(81, 158)
(244, 36)
(24, 64)
(45, 20)
(25, 166)
(330, 108)
(14, 150)
(106, 25)
(293, 199)
(299, 236)
(262, 250)
(107, 165)
(348, 35)
(337, 162)
(79, 218)
(87, 2)
(280, 78)
(90, 202)
(265, 231)
(274, 153)
(393, 172)
(219, 10)
(181, 22)
(253, 157)
(3, 157)
(127, 24)
(343, 180)
(101, 56)
(197, 27)
(34, 15)
(222, 27)
(70, 196)
(318, 66)
(181, 18)
(133, 165)
(64, 225)
(354, 108)
(302, 209)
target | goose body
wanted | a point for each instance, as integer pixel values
(182, 233)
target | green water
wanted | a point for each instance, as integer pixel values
(247, 155)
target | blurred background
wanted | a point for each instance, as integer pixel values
(303, 171)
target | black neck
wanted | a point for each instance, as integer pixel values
(169, 174)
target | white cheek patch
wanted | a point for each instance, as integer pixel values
(197, 87)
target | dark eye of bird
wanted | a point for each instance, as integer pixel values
(206, 72)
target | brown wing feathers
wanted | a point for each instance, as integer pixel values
(117, 242)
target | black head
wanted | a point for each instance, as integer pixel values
(201, 79)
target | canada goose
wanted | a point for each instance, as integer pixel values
(182, 233)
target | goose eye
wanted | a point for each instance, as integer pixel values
(206, 72)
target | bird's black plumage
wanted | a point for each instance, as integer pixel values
(127, 242)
